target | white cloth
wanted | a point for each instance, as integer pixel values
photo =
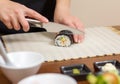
(98, 41)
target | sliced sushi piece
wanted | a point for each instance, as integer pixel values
(64, 38)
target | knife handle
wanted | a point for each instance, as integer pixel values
(34, 23)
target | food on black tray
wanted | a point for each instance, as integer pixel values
(76, 71)
(108, 67)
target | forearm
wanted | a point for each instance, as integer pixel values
(4, 0)
(63, 5)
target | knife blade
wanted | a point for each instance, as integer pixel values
(52, 26)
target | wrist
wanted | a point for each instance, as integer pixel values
(60, 14)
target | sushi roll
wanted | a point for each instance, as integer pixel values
(64, 38)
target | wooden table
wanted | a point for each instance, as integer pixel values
(54, 67)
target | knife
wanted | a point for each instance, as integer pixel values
(52, 26)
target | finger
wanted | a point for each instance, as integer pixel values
(23, 22)
(15, 22)
(81, 38)
(33, 14)
(9, 25)
(6, 20)
(76, 37)
(81, 28)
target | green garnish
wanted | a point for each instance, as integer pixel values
(76, 71)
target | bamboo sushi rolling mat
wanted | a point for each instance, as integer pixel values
(99, 41)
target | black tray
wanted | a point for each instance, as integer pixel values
(98, 65)
(84, 71)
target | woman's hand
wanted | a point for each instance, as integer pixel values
(72, 22)
(62, 15)
(13, 15)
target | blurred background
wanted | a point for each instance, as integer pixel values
(94, 13)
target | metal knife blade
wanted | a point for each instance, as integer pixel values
(52, 26)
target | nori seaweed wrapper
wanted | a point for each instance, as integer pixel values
(68, 34)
